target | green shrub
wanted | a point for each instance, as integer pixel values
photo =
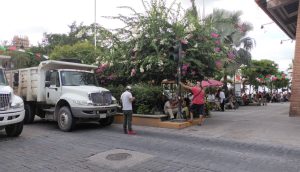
(148, 98)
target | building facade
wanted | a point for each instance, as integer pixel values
(285, 13)
(20, 42)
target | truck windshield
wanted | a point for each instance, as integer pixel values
(75, 78)
(2, 78)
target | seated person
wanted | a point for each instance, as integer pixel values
(185, 109)
(217, 106)
(245, 99)
(231, 102)
(171, 108)
(211, 100)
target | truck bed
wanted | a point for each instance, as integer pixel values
(24, 82)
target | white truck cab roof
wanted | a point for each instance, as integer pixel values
(75, 70)
(53, 64)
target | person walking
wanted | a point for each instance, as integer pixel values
(198, 100)
(222, 99)
(127, 99)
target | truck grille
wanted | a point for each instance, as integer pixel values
(4, 101)
(102, 98)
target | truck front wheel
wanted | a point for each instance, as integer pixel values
(14, 130)
(65, 119)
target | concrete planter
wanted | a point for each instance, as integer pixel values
(155, 121)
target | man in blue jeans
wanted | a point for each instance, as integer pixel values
(127, 99)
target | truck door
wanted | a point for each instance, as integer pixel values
(53, 88)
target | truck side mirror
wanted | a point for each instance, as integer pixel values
(47, 83)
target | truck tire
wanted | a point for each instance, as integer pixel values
(29, 114)
(14, 130)
(66, 121)
(106, 121)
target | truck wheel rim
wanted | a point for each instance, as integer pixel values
(64, 119)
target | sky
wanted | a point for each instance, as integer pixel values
(32, 18)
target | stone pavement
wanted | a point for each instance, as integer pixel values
(253, 124)
(248, 139)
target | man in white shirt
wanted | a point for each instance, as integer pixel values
(127, 99)
(222, 100)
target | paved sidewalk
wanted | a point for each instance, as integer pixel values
(251, 124)
(249, 139)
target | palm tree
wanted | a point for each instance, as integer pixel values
(234, 33)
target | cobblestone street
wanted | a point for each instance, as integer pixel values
(249, 139)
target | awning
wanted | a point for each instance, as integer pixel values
(283, 12)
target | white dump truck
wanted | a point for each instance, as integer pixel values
(11, 108)
(65, 92)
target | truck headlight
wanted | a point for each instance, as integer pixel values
(17, 105)
(83, 102)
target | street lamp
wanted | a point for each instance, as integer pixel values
(281, 42)
(177, 52)
(262, 26)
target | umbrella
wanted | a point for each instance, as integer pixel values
(214, 83)
(205, 83)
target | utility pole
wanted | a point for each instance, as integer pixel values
(179, 71)
(95, 32)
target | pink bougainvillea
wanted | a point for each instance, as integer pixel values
(101, 68)
(217, 42)
(214, 35)
(112, 77)
(133, 72)
(98, 70)
(185, 66)
(193, 73)
(218, 64)
(184, 41)
(230, 55)
(217, 49)
(274, 78)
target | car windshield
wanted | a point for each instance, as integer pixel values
(76, 78)
(2, 78)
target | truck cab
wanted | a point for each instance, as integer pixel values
(81, 95)
(11, 108)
